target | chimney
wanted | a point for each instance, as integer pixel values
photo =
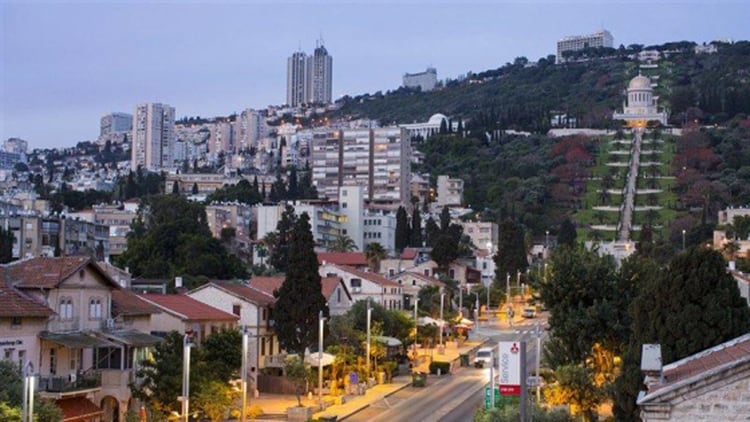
(177, 282)
(732, 266)
(651, 364)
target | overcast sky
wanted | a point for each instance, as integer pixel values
(64, 64)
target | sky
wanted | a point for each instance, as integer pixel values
(64, 64)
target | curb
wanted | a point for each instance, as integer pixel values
(367, 404)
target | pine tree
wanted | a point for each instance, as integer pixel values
(300, 299)
(293, 192)
(402, 229)
(415, 237)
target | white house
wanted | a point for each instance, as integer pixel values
(363, 285)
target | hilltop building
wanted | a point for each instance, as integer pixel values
(601, 38)
(641, 106)
(425, 81)
(115, 123)
(309, 79)
(153, 137)
(15, 146)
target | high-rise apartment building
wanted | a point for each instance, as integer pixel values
(377, 159)
(153, 136)
(320, 76)
(15, 146)
(578, 42)
(249, 128)
(309, 79)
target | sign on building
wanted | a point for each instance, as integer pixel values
(509, 367)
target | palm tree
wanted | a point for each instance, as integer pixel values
(375, 253)
(342, 243)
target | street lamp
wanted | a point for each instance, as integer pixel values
(245, 339)
(321, 320)
(538, 333)
(416, 324)
(186, 345)
(442, 300)
(546, 240)
(27, 410)
(369, 318)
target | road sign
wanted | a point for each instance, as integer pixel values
(488, 398)
(532, 381)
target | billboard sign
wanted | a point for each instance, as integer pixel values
(510, 368)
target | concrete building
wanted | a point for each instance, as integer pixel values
(320, 76)
(309, 79)
(375, 158)
(578, 42)
(115, 123)
(15, 146)
(325, 221)
(363, 285)
(153, 137)
(483, 234)
(450, 191)
(221, 138)
(425, 81)
(36, 236)
(641, 106)
(250, 127)
(226, 215)
(116, 218)
(713, 384)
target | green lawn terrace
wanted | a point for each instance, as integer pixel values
(654, 200)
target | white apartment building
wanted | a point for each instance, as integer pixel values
(309, 78)
(601, 38)
(153, 137)
(450, 191)
(221, 138)
(375, 158)
(15, 146)
(249, 128)
(426, 81)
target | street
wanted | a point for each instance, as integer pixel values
(454, 397)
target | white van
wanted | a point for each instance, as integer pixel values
(483, 357)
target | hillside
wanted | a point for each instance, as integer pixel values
(710, 88)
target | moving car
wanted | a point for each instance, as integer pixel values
(483, 357)
(529, 313)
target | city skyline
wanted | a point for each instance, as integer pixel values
(64, 65)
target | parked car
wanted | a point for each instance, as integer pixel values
(529, 313)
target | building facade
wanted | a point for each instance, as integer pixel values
(450, 191)
(641, 106)
(296, 78)
(601, 38)
(152, 137)
(425, 81)
(309, 79)
(113, 123)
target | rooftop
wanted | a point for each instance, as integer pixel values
(187, 308)
(343, 258)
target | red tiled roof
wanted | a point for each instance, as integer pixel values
(328, 285)
(77, 409)
(16, 304)
(48, 273)
(187, 307)
(424, 278)
(409, 253)
(125, 302)
(706, 360)
(258, 296)
(266, 284)
(343, 258)
(374, 277)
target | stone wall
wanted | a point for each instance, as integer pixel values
(731, 402)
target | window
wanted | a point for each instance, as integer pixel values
(15, 323)
(236, 309)
(53, 361)
(95, 308)
(66, 308)
(343, 205)
(263, 314)
(356, 282)
(76, 356)
(414, 282)
(338, 295)
(452, 273)
(21, 358)
(263, 346)
(391, 272)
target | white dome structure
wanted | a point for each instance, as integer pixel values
(640, 82)
(641, 106)
(437, 119)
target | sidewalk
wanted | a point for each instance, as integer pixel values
(275, 405)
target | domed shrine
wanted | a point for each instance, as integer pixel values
(641, 105)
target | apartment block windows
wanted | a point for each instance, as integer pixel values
(53, 361)
(66, 308)
(95, 308)
(236, 309)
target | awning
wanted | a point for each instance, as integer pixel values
(388, 341)
(76, 409)
(132, 338)
(75, 340)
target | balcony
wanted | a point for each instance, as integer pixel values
(61, 386)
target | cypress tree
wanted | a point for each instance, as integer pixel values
(300, 299)
(511, 252)
(293, 192)
(567, 235)
(175, 188)
(415, 237)
(402, 229)
(279, 258)
(195, 188)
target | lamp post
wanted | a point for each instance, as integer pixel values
(538, 332)
(442, 300)
(186, 345)
(27, 408)
(416, 325)
(369, 318)
(460, 301)
(546, 240)
(245, 339)
(321, 320)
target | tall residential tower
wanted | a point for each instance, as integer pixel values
(309, 79)
(153, 137)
